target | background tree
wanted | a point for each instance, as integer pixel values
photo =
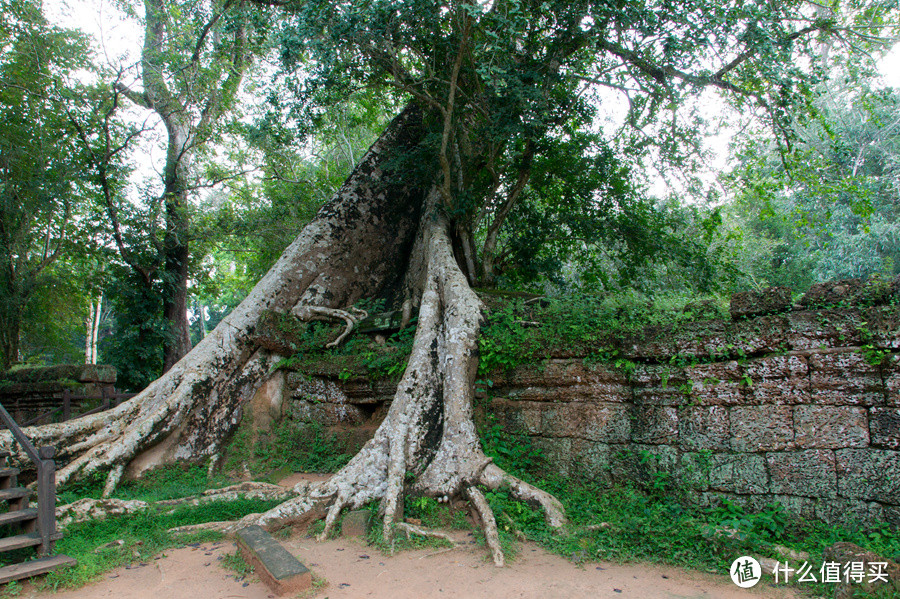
(827, 209)
(489, 86)
(41, 182)
(193, 59)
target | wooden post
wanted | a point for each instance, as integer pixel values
(67, 405)
(46, 499)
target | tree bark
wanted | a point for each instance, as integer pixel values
(377, 237)
(10, 324)
(89, 333)
(355, 248)
(95, 332)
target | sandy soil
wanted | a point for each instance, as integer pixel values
(352, 570)
(348, 569)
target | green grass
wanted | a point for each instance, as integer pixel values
(167, 482)
(143, 535)
(656, 522)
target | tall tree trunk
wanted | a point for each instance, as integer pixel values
(10, 324)
(95, 333)
(176, 243)
(376, 235)
(89, 333)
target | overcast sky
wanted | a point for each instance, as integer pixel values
(118, 39)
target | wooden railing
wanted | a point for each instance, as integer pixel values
(107, 401)
(46, 482)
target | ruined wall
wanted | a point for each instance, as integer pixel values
(794, 404)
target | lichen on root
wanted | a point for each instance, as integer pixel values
(427, 443)
(377, 237)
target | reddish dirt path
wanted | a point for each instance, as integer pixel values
(353, 570)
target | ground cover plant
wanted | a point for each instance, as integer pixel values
(118, 540)
(658, 522)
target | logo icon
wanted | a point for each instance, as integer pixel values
(745, 572)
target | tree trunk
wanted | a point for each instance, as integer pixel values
(95, 332)
(10, 323)
(88, 333)
(176, 243)
(376, 237)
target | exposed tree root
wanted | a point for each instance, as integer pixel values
(488, 524)
(350, 317)
(427, 443)
(412, 529)
(353, 249)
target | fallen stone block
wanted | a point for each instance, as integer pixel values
(356, 523)
(277, 568)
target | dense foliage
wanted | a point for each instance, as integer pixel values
(544, 121)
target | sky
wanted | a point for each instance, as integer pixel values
(117, 40)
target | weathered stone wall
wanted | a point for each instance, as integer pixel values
(791, 404)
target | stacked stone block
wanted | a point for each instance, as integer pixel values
(798, 405)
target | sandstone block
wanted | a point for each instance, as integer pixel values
(892, 381)
(869, 474)
(659, 385)
(833, 427)
(807, 473)
(703, 427)
(758, 303)
(884, 425)
(739, 473)
(758, 335)
(761, 428)
(777, 380)
(592, 460)
(356, 523)
(701, 339)
(845, 378)
(813, 330)
(654, 424)
(718, 383)
(277, 568)
(610, 423)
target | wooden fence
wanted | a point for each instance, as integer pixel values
(61, 405)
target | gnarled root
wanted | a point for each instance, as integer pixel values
(427, 444)
(494, 477)
(488, 524)
(412, 529)
(310, 313)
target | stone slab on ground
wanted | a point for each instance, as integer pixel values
(274, 565)
(356, 523)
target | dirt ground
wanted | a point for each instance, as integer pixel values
(348, 569)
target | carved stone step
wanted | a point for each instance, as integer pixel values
(277, 568)
(34, 567)
(29, 539)
(19, 516)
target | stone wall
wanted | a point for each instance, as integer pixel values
(792, 404)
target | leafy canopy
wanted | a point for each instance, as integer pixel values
(508, 84)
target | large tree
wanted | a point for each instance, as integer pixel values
(40, 178)
(490, 86)
(193, 59)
